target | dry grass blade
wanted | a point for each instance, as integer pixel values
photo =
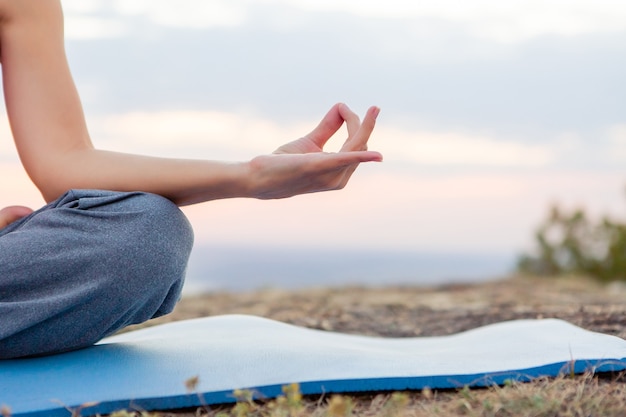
(582, 396)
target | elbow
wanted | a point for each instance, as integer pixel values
(51, 187)
(56, 173)
(50, 195)
(51, 179)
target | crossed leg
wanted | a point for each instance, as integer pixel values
(86, 266)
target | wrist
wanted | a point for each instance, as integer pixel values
(240, 182)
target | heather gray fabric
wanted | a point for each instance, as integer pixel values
(87, 265)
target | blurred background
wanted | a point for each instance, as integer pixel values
(491, 112)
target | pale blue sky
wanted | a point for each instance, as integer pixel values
(491, 110)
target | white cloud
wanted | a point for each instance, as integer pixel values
(509, 21)
(617, 144)
(92, 19)
(186, 13)
(202, 134)
(454, 149)
(234, 136)
(87, 27)
(82, 6)
(239, 136)
(84, 19)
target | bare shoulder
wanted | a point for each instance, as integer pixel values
(28, 19)
(12, 9)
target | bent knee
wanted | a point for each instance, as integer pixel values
(140, 239)
(162, 222)
(157, 240)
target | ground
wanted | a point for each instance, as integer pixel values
(421, 311)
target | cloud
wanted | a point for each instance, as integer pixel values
(191, 14)
(89, 27)
(228, 135)
(97, 19)
(225, 135)
(443, 77)
(617, 140)
(193, 133)
(89, 19)
(72, 7)
(510, 22)
(455, 149)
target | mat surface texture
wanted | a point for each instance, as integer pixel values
(147, 369)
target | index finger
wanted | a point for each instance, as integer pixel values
(353, 123)
(329, 124)
(358, 141)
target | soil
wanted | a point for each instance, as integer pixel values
(416, 311)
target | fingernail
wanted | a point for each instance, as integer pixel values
(376, 112)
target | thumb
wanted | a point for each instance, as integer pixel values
(13, 213)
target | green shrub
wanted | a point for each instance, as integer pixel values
(572, 243)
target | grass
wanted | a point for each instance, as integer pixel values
(566, 396)
(581, 396)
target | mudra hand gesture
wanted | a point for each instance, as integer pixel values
(302, 166)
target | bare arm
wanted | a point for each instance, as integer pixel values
(53, 142)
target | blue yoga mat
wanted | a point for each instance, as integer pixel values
(147, 369)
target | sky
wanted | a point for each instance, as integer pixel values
(491, 111)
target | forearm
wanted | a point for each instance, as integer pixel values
(278, 175)
(184, 181)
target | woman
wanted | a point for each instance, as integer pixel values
(111, 247)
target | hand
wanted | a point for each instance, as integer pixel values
(12, 213)
(302, 166)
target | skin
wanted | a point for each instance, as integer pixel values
(53, 142)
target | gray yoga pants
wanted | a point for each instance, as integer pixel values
(87, 265)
